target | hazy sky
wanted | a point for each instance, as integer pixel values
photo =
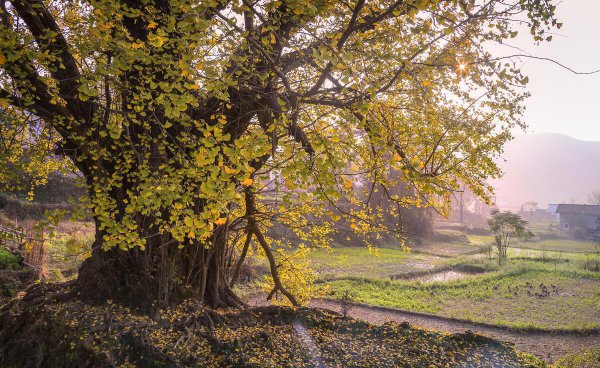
(561, 101)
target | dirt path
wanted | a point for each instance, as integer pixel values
(548, 346)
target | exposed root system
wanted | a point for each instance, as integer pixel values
(51, 327)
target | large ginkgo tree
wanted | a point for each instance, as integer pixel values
(197, 124)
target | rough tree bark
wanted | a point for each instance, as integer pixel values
(161, 274)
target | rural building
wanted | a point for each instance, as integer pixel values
(578, 216)
(538, 215)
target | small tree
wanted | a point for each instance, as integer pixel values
(594, 198)
(507, 226)
(490, 249)
(346, 303)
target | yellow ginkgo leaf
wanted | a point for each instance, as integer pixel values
(2, 59)
(290, 185)
(229, 170)
(220, 221)
(348, 184)
(156, 40)
(247, 182)
(106, 26)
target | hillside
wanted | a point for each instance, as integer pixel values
(548, 168)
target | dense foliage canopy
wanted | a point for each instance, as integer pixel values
(196, 123)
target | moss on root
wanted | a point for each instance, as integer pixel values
(50, 327)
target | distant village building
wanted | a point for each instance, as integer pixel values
(538, 215)
(577, 216)
(552, 209)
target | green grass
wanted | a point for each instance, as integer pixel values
(483, 297)
(7, 259)
(481, 239)
(586, 358)
(359, 262)
(489, 298)
(560, 245)
(449, 249)
(556, 245)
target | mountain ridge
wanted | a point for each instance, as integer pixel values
(547, 168)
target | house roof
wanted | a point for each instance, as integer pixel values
(581, 209)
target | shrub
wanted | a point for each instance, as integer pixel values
(346, 303)
(592, 264)
(8, 287)
(7, 260)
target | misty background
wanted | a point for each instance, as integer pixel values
(556, 159)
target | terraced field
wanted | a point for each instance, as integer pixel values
(544, 285)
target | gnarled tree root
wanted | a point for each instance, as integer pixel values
(51, 327)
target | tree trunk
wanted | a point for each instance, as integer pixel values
(159, 275)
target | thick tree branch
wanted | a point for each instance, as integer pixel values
(253, 228)
(63, 66)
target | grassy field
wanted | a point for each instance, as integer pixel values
(564, 245)
(561, 245)
(341, 262)
(359, 262)
(586, 358)
(550, 286)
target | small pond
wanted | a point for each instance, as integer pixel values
(443, 276)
